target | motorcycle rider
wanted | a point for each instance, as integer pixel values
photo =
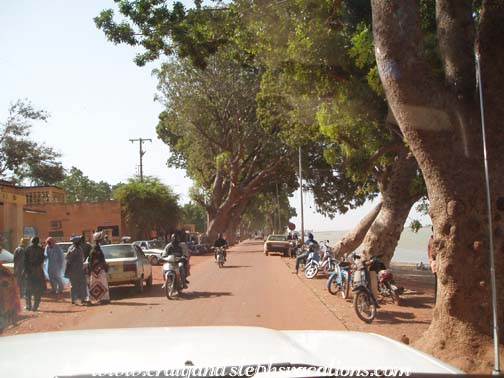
(220, 243)
(313, 246)
(174, 248)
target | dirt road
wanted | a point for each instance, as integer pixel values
(251, 290)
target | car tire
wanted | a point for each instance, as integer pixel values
(139, 284)
(148, 282)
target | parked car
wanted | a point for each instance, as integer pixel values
(7, 259)
(152, 249)
(277, 243)
(127, 264)
(6, 256)
(64, 246)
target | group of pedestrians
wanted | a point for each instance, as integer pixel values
(29, 258)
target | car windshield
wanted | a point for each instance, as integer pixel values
(64, 246)
(155, 244)
(118, 251)
(213, 148)
(277, 238)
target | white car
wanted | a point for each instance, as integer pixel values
(7, 259)
(127, 264)
(237, 349)
(152, 249)
(6, 256)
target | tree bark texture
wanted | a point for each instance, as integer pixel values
(441, 123)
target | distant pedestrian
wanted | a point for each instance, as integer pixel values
(19, 264)
(34, 277)
(55, 263)
(431, 251)
(98, 268)
(74, 270)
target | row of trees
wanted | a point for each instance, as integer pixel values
(147, 205)
(381, 95)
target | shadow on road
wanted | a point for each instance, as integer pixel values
(236, 266)
(128, 292)
(205, 294)
(418, 301)
(57, 312)
(116, 303)
(395, 317)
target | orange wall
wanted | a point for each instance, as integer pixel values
(64, 219)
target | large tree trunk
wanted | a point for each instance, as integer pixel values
(353, 239)
(441, 125)
(399, 193)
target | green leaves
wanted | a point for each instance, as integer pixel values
(79, 187)
(21, 158)
(195, 33)
(148, 205)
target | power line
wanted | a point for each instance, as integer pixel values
(141, 152)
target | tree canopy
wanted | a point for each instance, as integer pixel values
(212, 129)
(79, 187)
(22, 158)
(148, 205)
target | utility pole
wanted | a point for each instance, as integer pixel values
(142, 153)
(301, 194)
(278, 210)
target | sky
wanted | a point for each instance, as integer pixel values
(53, 55)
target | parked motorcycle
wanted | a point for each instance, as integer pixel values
(174, 275)
(340, 280)
(365, 303)
(387, 286)
(315, 263)
(219, 256)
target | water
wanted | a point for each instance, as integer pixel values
(412, 247)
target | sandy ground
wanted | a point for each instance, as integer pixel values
(251, 290)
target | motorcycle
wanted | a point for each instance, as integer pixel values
(219, 257)
(387, 286)
(174, 275)
(340, 280)
(315, 263)
(365, 303)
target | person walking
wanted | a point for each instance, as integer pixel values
(74, 270)
(55, 262)
(19, 265)
(34, 278)
(98, 268)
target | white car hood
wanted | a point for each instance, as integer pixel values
(6, 256)
(68, 353)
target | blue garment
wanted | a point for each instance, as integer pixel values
(55, 263)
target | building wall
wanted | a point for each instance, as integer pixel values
(65, 219)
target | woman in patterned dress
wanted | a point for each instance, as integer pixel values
(98, 284)
(9, 298)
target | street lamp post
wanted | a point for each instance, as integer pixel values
(301, 194)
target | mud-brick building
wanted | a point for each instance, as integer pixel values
(43, 211)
